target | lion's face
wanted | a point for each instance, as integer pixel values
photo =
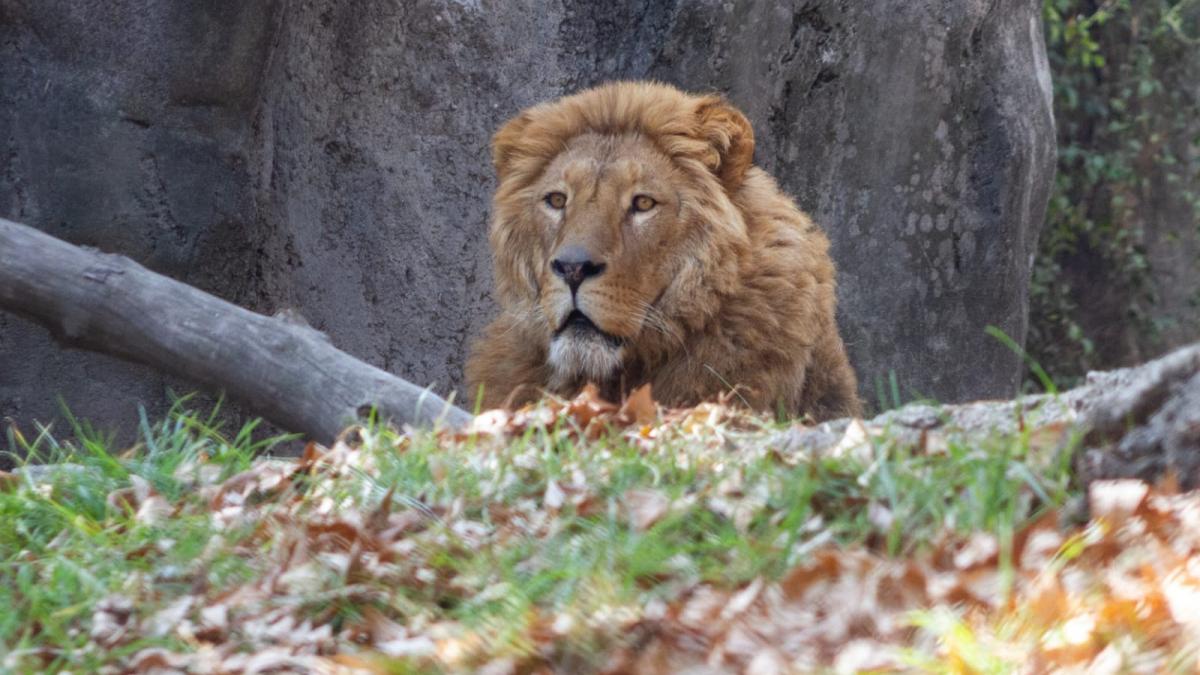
(608, 230)
(608, 208)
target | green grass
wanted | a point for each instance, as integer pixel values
(487, 552)
(64, 546)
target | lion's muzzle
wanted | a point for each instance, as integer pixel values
(580, 348)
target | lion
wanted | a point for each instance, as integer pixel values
(634, 242)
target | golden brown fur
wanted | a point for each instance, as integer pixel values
(722, 282)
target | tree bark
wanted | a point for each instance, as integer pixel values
(283, 370)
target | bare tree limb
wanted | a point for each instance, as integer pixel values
(282, 370)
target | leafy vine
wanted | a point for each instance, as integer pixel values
(1128, 114)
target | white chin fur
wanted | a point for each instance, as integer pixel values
(592, 358)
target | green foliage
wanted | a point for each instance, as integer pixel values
(1127, 114)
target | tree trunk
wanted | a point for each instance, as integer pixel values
(283, 370)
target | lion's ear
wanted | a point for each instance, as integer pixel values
(505, 142)
(731, 136)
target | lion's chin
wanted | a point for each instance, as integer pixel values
(589, 355)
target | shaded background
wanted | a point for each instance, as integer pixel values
(332, 158)
(1116, 280)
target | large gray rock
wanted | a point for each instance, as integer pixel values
(374, 172)
(921, 136)
(1144, 422)
(123, 125)
(332, 158)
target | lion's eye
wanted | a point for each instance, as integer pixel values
(556, 201)
(643, 203)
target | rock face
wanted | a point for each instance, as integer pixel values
(123, 125)
(332, 158)
(1144, 422)
(920, 136)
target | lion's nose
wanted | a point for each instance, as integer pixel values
(575, 265)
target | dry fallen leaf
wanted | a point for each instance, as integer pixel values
(1116, 499)
(554, 498)
(645, 507)
(639, 408)
(112, 621)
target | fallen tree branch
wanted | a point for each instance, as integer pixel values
(285, 371)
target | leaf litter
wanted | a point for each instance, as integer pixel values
(349, 573)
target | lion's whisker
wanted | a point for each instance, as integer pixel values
(527, 311)
(655, 319)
